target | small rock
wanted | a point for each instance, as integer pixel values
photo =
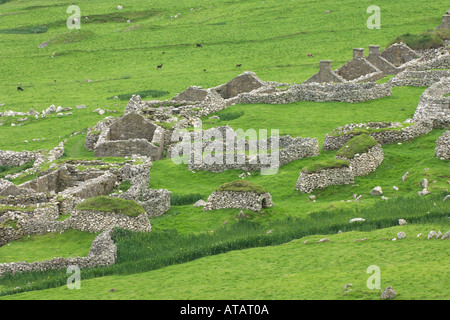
(200, 203)
(401, 235)
(357, 220)
(323, 240)
(312, 197)
(401, 222)
(347, 286)
(395, 188)
(432, 234)
(377, 191)
(388, 294)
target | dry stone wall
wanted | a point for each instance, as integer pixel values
(442, 150)
(307, 182)
(434, 104)
(321, 92)
(418, 78)
(365, 163)
(103, 252)
(96, 221)
(342, 135)
(238, 200)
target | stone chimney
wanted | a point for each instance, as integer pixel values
(374, 51)
(445, 21)
(325, 66)
(358, 53)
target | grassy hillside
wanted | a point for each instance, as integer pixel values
(293, 271)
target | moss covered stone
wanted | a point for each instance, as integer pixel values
(326, 164)
(242, 186)
(357, 145)
(110, 204)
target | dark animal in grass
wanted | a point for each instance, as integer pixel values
(159, 67)
(204, 70)
(310, 55)
(163, 52)
(238, 65)
(19, 88)
(199, 45)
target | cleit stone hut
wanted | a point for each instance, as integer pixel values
(239, 194)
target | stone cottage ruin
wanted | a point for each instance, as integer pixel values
(131, 134)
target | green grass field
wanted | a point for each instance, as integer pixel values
(415, 267)
(191, 254)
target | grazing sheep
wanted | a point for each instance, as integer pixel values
(19, 88)
(310, 55)
(238, 65)
(159, 67)
(199, 45)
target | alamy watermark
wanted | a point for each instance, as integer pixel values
(74, 281)
(74, 21)
(374, 281)
(234, 147)
(374, 21)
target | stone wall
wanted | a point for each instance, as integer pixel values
(96, 221)
(418, 78)
(103, 252)
(64, 177)
(321, 92)
(230, 152)
(435, 105)
(442, 150)
(17, 159)
(342, 135)
(365, 163)
(99, 186)
(156, 202)
(238, 200)
(307, 182)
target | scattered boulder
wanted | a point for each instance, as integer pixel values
(431, 235)
(401, 222)
(323, 240)
(200, 203)
(377, 191)
(357, 220)
(388, 294)
(401, 235)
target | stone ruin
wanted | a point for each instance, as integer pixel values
(131, 134)
(365, 163)
(393, 132)
(361, 69)
(244, 200)
(224, 140)
(103, 252)
(325, 74)
(308, 182)
(58, 191)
